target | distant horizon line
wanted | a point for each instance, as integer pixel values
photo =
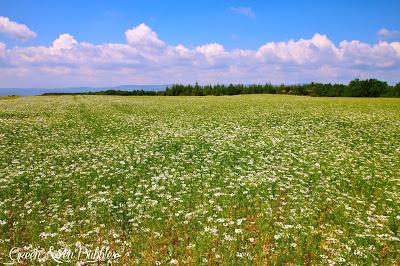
(184, 83)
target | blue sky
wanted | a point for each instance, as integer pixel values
(244, 25)
(197, 22)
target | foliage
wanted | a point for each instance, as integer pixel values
(356, 88)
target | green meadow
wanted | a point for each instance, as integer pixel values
(227, 180)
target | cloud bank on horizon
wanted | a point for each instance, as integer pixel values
(146, 59)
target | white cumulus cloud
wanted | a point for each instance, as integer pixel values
(65, 41)
(211, 50)
(142, 35)
(15, 30)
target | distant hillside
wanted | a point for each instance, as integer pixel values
(39, 91)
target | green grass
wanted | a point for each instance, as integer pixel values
(240, 180)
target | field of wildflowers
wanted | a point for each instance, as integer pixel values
(240, 180)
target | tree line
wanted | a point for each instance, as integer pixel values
(356, 88)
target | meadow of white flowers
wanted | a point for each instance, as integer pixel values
(235, 180)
